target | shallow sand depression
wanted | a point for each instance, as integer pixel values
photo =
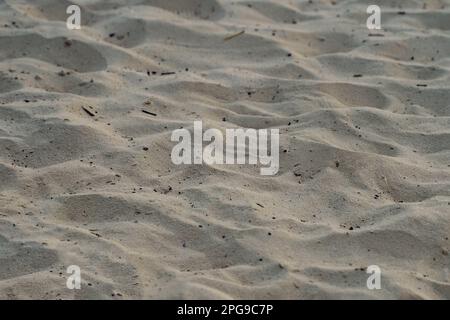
(86, 177)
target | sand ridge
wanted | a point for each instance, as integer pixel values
(86, 176)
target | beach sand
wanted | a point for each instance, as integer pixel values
(86, 176)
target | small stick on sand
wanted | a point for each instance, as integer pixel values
(234, 35)
(150, 113)
(88, 112)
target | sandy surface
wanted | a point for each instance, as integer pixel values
(364, 173)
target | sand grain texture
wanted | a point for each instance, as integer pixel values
(86, 177)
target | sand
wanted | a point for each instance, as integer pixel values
(86, 177)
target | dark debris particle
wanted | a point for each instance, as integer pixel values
(148, 112)
(88, 112)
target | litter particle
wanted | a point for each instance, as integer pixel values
(88, 112)
(150, 113)
(234, 35)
